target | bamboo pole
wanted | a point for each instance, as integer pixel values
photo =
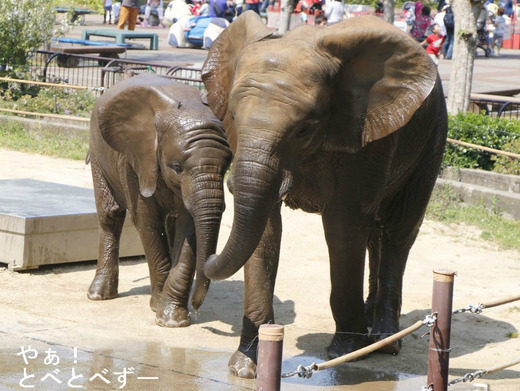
(496, 303)
(41, 83)
(492, 150)
(369, 349)
(64, 117)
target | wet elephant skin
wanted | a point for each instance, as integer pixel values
(347, 121)
(158, 152)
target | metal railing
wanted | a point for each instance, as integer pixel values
(95, 71)
(496, 105)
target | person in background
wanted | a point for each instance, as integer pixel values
(154, 4)
(240, 6)
(129, 13)
(449, 25)
(107, 6)
(334, 12)
(500, 29)
(320, 20)
(423, 20)
(253, 5)
(218, 8)
(439, 19)
(434, 43)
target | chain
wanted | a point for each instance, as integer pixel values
(305, 372)
(474, 309)
(468, 377)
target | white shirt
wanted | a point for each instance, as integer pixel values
(439, 19)
(334, 12)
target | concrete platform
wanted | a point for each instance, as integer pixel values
(43, 223)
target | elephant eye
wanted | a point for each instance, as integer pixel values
(304, 132)
(176, 166)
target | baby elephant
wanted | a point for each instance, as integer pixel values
(158, 151)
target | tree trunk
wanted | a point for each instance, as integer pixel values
(286, 11)
(389, 10)
(465, 13)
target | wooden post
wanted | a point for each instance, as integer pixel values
(439, 355)
(269, 365)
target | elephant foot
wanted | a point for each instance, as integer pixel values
(103, 287)
(393, 348)
(171, 315)
(385, 328)
(242, 366)
(345, 343)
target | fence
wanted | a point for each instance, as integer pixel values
(95, 72)
(496, 105)
(439, 323)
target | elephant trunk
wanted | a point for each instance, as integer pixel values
(256, 182)
(207, 214)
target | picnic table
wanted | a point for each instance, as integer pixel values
(104, 49)
(121, 36)
(77, 13)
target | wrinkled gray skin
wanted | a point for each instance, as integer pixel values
(347, 121)
(158, 151)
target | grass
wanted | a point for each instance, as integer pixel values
(446, 207)
(67, 144)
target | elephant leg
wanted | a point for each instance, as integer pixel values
(401, 218)
(374, 256)
(111, 218)
(150, 224)
(172, 310)
(259, 280)
(387, 308)
(347, 246)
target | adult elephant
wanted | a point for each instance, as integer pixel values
(159, 152)
(348, 121)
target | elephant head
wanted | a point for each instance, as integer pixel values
(169, 137)
(314, 90)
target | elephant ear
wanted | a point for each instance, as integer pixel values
(127, 123)
(219, 67)
(383, 77)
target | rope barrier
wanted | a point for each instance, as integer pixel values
(477, 309)
(306, 372)
(492, 150)
(469, 377)
(41, 83)
(66, 117)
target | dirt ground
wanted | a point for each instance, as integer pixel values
(48, 309)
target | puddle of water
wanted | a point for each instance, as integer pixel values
(152, 366)
(148, 367)
(350, 377)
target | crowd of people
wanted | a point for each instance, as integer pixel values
(433, 29)
(436, 32)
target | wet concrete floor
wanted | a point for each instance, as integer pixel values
(46, 365)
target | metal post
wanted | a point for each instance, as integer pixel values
(269, 366)
(439, 355)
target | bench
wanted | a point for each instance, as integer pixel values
(111, 51)
(121, 36)
(104, 49)
(77, 13)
